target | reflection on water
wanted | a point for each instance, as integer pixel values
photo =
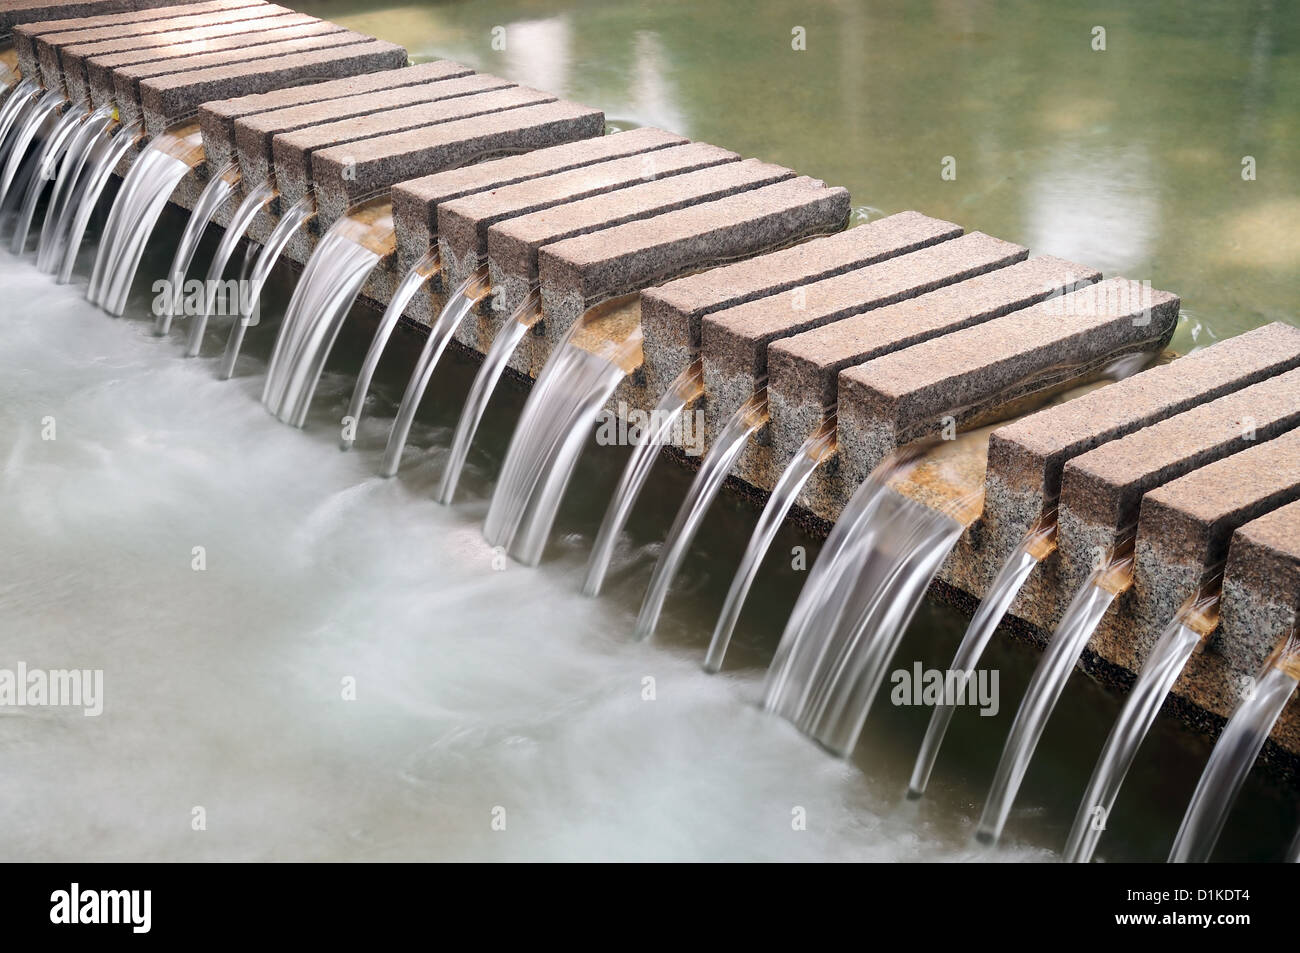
(1128, 158)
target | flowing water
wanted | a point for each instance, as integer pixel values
(1002, 592)
(414, 279)
(1163, 666)
(66, 188)
(1235, 753)
(108, 151)
(293, 218)
(331, 281)
(722, 456)
(815, 450)
(30, 122)
(225, 687)
(140, 203)
(1062, 653)
(221, 185)
(868, 583)
(15, 104)
(879, 590)
(579, 377)
(257, 198)
(485, 383)
(821, 598)
(478, 684)
(681, 393)
(45, 167)
(458, 307)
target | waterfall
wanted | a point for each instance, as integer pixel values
(816, 449)
(256, 200)
(145, 190)
(681, 393)
(330, 283)
(1235, 752)
(1187, 631)
(28, 124)
(20, 99)
(459, 304)
(485, 383)
(1063, 651)
(722, 456)
(293, 219)
(107, 152)
(45, 165)
(221, 185)
(1037, 545)
(58, 214)
(578, 379)
(866, 585)
(429, 265)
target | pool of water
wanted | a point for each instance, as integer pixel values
(354, 674)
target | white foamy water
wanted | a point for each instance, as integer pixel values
(476, 689)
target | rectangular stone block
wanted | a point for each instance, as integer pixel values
(734, 342)
(512, 245)
(342, 173)
(416, 202)
(803, 370)
(38, 44)
(95, 72)
(127, 80)
(463, 224)
(167, 97)
(1026, 458)
(85, 64)
(383, 110)
(1184, 528)
(1261, 588)
(982, 373)
(32, 12)
(578, 272)
(1102, 490)
(217, 119)
(292, 151)
(671, 314)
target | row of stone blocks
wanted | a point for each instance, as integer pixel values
(902, 329)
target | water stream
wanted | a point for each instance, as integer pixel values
(144, 194)
(814, 451)
(429, 265)
(257, 199)
(577, 380)
(293, 218)
(1062, 653)
(45, 168)
(67, 186)
(458, 307)
(1037, 544)
(220, 187)
(107, 152)
(1235, 753)
(722, 456)
(484, 386)
(1154, 682)
(681, 393)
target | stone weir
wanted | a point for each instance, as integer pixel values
(1044, 385)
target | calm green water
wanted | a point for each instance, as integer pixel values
(1127, 159)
